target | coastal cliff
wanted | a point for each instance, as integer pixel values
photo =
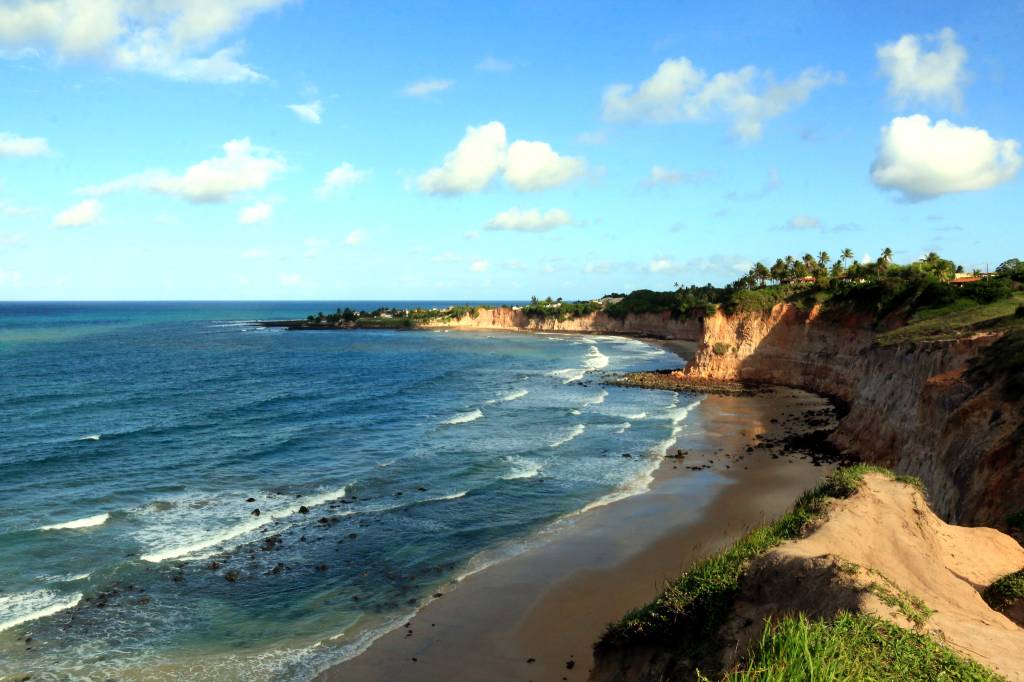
(912, 406)
(659, 325)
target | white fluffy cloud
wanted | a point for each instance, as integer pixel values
(341, 177)
(535, 165)
(483, 153)
(494, 65)
(916, 74)
(310, 112)
(243, 167)
(172, 38)
(479, 265)
(680, 92)
(469, 167)
(79, 215)
(15, 145)
(697, 269)
(426, 87)
(257, 213)
(355, 237)
(12, 277)
(922, 160)
(803, 222)
(532, 220)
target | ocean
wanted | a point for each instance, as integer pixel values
(186, 495)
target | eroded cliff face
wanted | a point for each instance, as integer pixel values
(911, 409)
(660, 325)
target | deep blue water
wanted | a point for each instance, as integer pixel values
(148, 433)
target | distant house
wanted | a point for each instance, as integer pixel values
(964, 278)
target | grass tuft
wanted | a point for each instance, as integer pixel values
(851, 647)
(915, 610)
(1006, 591)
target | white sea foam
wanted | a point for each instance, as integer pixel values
(522, 468)
(514, 395)
(576, 431)
(622, 429)
(464, 417)
(442, 498)
(595, 360)
(638, 415)
(219, 539)
(87, 522)
(93, 436)
(597, 400)
(23, 607)
(569, 375)
(642, 481)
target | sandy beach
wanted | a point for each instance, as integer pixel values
(536, 616)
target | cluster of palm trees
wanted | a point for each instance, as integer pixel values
(810, 268)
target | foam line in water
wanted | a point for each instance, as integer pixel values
(87, 522)
(597, 400)
(622, 429)
(217, 539)
(509, 397)
(23, 607)
(93, 436)
(570, 374)
(521, 468)
(576, 431)
(464, 417)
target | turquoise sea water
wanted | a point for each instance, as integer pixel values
(139, 439)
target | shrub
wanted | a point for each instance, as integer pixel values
(1006, 591)
(989, 290)
(721, 348)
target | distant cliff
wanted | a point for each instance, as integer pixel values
(659, 325)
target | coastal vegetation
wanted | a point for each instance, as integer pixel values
(929, 299)
(688, 615)
(1006, 592)
(851, 647)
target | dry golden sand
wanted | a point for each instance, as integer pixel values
(553, 601)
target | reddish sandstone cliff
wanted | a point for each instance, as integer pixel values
(911, 408)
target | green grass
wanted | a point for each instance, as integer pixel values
(1006, 591)
(851, 647)
(915, 610)
(953, 320)
(691, 609)
(721, 348)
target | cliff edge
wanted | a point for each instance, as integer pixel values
(917, 407)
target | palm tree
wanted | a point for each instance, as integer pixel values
(887, 254)
(761, 273)
(824, 259)
(846, 255)
(778, 271)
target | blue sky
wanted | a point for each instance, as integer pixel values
(184, 149)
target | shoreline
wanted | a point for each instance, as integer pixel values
(535, 615)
